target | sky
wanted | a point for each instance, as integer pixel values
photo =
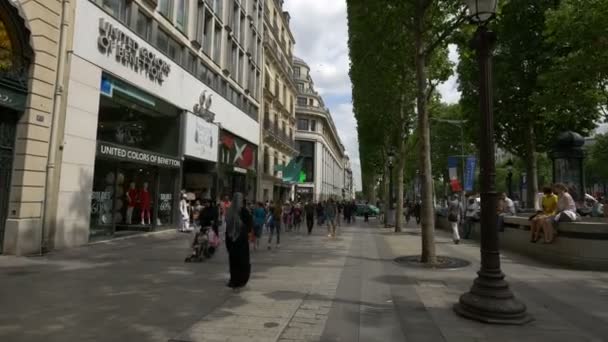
(321, 33)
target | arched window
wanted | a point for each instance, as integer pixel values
(6, 49)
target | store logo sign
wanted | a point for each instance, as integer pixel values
(202, 107)
(134, 155)
(114, 41)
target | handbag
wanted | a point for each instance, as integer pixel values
(452, 217)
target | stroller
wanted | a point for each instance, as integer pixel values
(204, 245)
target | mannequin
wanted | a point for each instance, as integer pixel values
(131, 201)
(144, 198)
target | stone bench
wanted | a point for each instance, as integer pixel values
(580, 245)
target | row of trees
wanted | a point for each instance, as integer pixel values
(551, 68)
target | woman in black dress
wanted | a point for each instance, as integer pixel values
(238, 224)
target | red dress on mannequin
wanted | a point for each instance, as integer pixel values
(145, 201)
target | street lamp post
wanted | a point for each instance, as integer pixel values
(489, 300)
(510, 178)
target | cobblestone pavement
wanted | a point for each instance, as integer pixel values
(311, 289)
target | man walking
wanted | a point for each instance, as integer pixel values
(330, 215)
(309, 211)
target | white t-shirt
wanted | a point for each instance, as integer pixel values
(509, 208)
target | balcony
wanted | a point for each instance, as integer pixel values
(278, 135)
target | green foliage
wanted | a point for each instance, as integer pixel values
(596, 163)
(380, 53)
(546, 71)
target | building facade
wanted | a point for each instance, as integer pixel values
(31, 33)
(323, 155)
(158, 97)
(278, 104)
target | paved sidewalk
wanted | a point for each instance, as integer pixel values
(312, 289)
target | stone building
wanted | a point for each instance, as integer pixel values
(278, 104)
(318, 143)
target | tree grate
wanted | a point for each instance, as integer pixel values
(443, 262)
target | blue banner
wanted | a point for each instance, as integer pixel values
(469, 173)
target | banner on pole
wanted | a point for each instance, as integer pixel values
(469, 173)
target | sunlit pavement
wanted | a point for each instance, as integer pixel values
(312, 289)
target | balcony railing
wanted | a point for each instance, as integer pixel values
(280, 135)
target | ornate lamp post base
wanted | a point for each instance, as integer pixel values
(491, 301)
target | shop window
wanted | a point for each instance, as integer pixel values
(106, 187)
(166, 201)
(143, 25)
(133, 118)
(303, 124)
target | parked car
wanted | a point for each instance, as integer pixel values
(372, 210)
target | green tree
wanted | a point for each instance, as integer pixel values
(527, 109)
(596, 163)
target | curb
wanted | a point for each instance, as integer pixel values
(128, 237)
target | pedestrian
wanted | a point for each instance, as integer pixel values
(471, 216)
(340, 208)
(366, 212)
(287, 216)
(330, 213)
(407, 211)
(297, 217)
(309, 210)
(209, 216)
(274, 224)
(238, 224)
(454, 209)
(566, 212)
(506, 207)
(547, 209)
(320, 213)
(224, 205)
(184, 215)
(259, 217)
(197, 209)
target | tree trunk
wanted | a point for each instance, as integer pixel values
(427, 215)
(531, 166)
(400, 167)
(386, 204)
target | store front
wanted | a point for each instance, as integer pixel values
(137, 165)
(304, 194)
(237, 169)
(200, 157)
(15, 57)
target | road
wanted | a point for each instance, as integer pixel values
(312, 289)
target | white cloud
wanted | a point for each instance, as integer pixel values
(449, 89)
(321, 34)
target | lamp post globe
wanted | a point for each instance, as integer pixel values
(481, 11)
(490, 299)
